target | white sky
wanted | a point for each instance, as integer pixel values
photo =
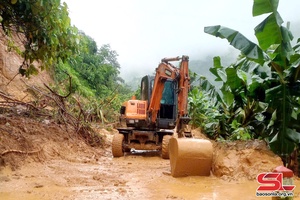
(144, 31)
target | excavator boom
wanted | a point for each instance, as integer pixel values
(184, 82)
(164, 72)
(184, 86)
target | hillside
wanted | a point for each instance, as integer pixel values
(12, 83)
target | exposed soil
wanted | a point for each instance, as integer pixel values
(40, 160)
(11, 82)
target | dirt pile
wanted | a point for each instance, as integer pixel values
(233, 160)
(30, 133)
(24, 140)
(243, 159)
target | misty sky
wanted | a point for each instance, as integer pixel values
(144, 31)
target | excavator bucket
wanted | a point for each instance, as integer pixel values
(190, 157)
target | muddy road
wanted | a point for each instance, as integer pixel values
(42, 161)
(134, 176)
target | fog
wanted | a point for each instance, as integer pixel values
(143, 32)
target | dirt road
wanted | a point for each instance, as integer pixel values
(41, 161)
(135, 176)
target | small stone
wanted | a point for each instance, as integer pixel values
(38, 186)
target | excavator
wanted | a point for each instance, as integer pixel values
(160, 121)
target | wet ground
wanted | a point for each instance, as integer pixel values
(134, 176)
(43, 161)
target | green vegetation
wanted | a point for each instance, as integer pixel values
(44, 28)
(47, 36)
(259, 94)
(94, 73)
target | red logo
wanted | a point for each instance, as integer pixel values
(272, 182)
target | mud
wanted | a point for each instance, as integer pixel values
(42, 161)
(243, 159)
(130, 177)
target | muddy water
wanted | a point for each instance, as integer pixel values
(134, 176)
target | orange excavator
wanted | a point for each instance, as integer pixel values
(149, 123)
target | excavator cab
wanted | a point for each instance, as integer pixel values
(167, 114)
(168, 106)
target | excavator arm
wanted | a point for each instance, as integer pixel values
(184, 86)
(182, 127)
(166, 71)
(188, 156)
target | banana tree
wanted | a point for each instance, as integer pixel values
(239, 98)
(281, 85)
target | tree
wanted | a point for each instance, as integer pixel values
(95, 76)
(44, 28)
(276, 75)
(97, 66)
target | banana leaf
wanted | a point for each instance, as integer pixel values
(264, 6)
(239, 41)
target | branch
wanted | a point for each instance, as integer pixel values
(19, 151)
(12, 79)
(55, 93)
(11, 100)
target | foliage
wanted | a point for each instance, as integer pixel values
(79, 85)
(237, 108)
(263, 87)
(44, 28)
(47, 37)
(95, 79)
(239, 99)
(203, 112)
(99, 68)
